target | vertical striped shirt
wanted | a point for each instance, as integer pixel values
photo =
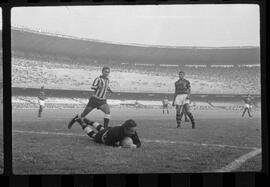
(100, 87)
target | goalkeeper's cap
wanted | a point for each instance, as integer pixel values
(129, 124)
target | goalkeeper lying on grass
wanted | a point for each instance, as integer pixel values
(124, 135)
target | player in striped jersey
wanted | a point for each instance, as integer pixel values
(98, 99)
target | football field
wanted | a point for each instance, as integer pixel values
(222, 141)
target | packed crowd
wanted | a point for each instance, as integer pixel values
(22, 102)
(127, 77)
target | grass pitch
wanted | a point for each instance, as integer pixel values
(46, 146)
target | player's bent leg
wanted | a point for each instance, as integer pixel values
(179, 115)
(249, 114)
(244, 112)
(185, 112)
(94, 124)
(187, 109)
(40, 111)
(79, 117)
(86, 111)
(89, 131)
(106, 109)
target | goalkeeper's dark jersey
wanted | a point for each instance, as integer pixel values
(112, 135)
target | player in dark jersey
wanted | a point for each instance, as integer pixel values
(182, 93)
(165, 103)
(248, 105)
(136, 104)
(111, 136)
(41, 101)
(98, 99)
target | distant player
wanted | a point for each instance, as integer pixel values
(182, 93)
(111, 136)
(165, 103)
(98, 99)
(136, 104)
(41, 101)
(248, 105)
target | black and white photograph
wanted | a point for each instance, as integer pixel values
(1, 97)
(136, 89)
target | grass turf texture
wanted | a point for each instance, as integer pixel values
(165, 149)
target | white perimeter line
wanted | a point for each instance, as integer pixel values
(240, 161)
(144, 140)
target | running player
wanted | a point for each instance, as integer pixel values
(41, 101)
(165, 103)
(98, 99)
(248, 105)
(182, 92)
(111, 136)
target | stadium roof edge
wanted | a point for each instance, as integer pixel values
(127, 44)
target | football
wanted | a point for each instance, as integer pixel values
(127, 143)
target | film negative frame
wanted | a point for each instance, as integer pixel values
(121, 180)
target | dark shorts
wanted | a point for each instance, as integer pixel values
(98, 137)
(165, 106)
(96, 103)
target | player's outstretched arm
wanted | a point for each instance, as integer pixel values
(95, 85)
(109, 90)
(136, 140)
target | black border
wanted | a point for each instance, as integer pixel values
(115, 180)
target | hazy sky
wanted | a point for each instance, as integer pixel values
(171, 25)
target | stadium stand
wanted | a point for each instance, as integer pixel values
(62, 62)
(58, 75)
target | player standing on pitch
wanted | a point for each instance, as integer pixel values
(41, 101)
(248, 105)
(111, 136)
(182, 93)
(98, 99)
(165, 103)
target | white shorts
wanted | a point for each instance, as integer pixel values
(41, 103)
(248, 106)
(187, 101)
(181, 99)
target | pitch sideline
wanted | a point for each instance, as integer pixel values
(143, 140)
(228, 168)
(240, 161)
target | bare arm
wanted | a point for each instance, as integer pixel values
(109, 90)
(136, 140)
(95, 84)
(188, 88)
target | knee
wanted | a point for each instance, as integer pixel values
(107, 110)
